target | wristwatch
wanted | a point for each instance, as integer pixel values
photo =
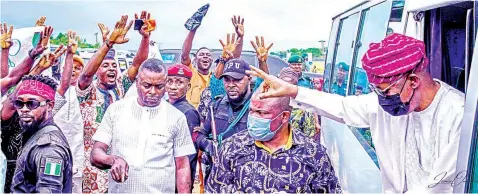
(222, 60)
(107, 42)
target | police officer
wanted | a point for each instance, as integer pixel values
(339, 86)
(297, 64)
(230, 111)
(177, 84)
(45, 162)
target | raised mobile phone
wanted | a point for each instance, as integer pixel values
(138, 24)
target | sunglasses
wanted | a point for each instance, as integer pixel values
(383, 92)
(31, 104)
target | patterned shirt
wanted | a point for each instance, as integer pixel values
(148, 139)
(247, 166)
(303, 121)
(93, 103)
(300, 119)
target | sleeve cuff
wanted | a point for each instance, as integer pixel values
(185, 150)
(60, 101)
(85, 92)
(102, 137)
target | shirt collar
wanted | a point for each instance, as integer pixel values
(293, 139)
(178, 101)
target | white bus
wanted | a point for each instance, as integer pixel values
(448, 29)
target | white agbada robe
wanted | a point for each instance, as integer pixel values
(70, 121)
(149, 139)
(436, 131)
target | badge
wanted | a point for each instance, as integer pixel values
(180, 71)
(53, 167)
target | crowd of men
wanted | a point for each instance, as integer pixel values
(80, 134)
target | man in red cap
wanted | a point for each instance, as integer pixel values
(177, 84)
(415, 120)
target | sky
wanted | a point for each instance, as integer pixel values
(286, 23)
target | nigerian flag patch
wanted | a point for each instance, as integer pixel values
(52, 167)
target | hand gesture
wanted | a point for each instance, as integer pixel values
(49, 59)
(119, 170)
(229, 48)
(72, 42)
(119, 33)
(6, 36)
(41, 21)
(45, 36)
(272, 85)
(104, 31)
(145, 16)
(261, 51)
(238, 25)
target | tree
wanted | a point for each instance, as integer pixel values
(63, 39)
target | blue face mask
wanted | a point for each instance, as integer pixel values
(393, 104)
(260, 129)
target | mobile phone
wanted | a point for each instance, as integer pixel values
(138, 24)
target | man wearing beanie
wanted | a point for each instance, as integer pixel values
(415, 120)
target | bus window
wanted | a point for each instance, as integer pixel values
(373, 30)
(330, 54)
(344, 51)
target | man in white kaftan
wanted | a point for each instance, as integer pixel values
(415, 121)
(148, 138)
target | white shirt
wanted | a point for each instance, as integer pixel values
(70, 121)
(148, 139)
(437, 130)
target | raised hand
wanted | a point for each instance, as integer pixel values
(104, 31)
(43, 43)
(229, 48)
(261, 51)
(48, 60)
(119, 33)
(6, 36)
(238, 25)
(41, 21)
(72, 42)
(45, 36)
(145, 30)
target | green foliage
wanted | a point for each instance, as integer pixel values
(316, 52)
(63, 39)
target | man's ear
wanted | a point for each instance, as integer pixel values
(51, 105)
(415, 80)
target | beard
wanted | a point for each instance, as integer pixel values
(31, 126)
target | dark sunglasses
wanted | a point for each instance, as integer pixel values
(31, 104)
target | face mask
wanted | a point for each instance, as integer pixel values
(260, 129)
(393, 104)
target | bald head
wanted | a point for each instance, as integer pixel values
(274, 105)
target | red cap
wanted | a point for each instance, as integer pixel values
(180, 70)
